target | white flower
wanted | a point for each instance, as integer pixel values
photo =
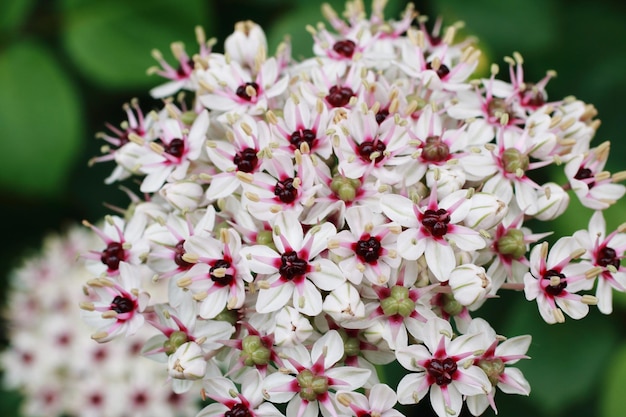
(187, 362)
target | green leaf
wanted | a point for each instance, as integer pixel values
(612, 392)
(13, 13)
(41, 121)
(111, 41)
(507, 26)
(568, 360)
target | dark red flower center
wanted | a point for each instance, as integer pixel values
(246, 160)
(555, 290)
(608, 256)
(301, 136)
(382, 115)
(179, 251)
(442, 71)
(368, 249)
(368, 147)
(238, 410)
(242, 90)
(112, 255)
(583, 174)
(339, 96)
(285, 191)
(176, 147)
(345, 48)
(442, 370)
(122, 304)
(435, 150)
(222, 280)
(291, 266)
(436, 222)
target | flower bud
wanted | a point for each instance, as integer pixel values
(246, 43)
(187, 362)
(513, 161)
(398, 302)
(184, 195)
(486, 213)
(448, 180)
(552, 202)
(469, 283)
(175, 340)
(512, 244)
(254, 352)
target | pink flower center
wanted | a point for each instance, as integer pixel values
(367, 148)
(112, 255)
(292, 266)
(339, 96)
(222, 280)
(442, 370)
(242, 90)
(436, 222)
(345, 48)
(555, 290)
(285, 191)
(300, 136)
(368, 249)
(238, 410)
(608, 256)
(246, 160)
(122, 305)
(179, 251)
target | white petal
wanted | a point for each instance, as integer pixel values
(399, 209)
(273, 299)
(440, 259)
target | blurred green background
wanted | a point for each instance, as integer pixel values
(67, 66)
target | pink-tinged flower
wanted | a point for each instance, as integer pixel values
(295, 271)
(233, 88)
(282, 187)
(594, 187)
(555, 279)
(379, 402)
(169, 156)
(180, 77)
(218, 277)
(313, 378)
(117, 306)
(444, 366)
(118, 141)
(340, 91)
(431, 228)
(124, 243)
(239, 155)
(606, 252)
(398, 306)
(498, 353)
(302, 128)
(367, 248)
(229, 401)
(365, 147)
(527, 95)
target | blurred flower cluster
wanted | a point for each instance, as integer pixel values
(53, 362)
(316, 219)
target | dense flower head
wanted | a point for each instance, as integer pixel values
(346, 211)
(52, 361)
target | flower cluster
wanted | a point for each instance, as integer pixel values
(316, 219)
(52, 361)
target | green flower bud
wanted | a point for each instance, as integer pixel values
(264, 237)
(229, 316)
(451, 306)
(254, 351)
(345, 188)
(493, 368)
(512, 244)
(352, 346)
(188, 117)
(311, 386)
(398, 302)
(175, 340)
(513, 161)
(435, 150)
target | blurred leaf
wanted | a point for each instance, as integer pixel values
(13, 13)
(111, 41)
(568, 360)
(612, 392)
(10, 403)
(513, 25)
(40, 118)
